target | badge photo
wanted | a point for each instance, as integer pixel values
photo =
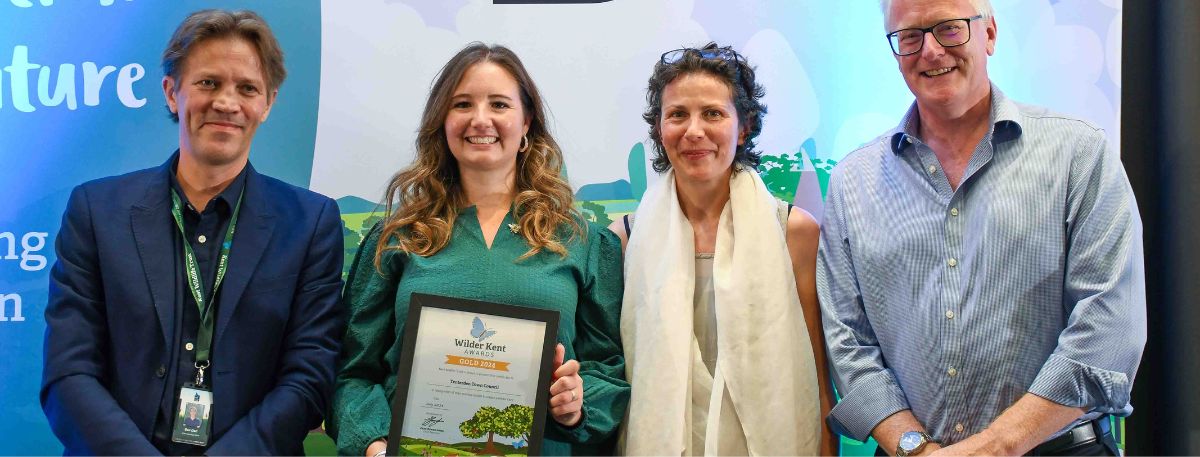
(194, 416)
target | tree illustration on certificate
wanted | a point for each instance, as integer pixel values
(514, 421)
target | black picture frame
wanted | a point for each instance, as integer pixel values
(418, 303)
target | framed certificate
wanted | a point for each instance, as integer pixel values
(474, 378)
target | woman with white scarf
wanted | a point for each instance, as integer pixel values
(720, 323)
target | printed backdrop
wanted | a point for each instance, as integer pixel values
(81, 98)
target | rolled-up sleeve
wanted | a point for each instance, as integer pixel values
(868, 388)
(1098, 352)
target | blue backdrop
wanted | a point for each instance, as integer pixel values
(81, 98)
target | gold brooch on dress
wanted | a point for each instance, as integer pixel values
(514, 228)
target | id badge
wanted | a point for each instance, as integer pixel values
(194, 419)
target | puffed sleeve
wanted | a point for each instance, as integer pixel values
(598, 343)
(361, 413)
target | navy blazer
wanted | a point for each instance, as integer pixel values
(111, 317)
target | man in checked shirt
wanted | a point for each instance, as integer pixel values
(980, 266)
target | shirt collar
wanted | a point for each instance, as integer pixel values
(1005, 118)
(224, 200)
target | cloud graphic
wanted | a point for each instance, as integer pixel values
(1057, 56)
(827, 76)
(440, 14)
(850, 135)
(1113, 50)
(380, 60)
(793, 110)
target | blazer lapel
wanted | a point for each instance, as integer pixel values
(256, 223)
(150, 222)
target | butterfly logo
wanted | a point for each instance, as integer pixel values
(479, 331)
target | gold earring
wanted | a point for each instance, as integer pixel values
(524, 144)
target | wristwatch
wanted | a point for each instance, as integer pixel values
(912, 443)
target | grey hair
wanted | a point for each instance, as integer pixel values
(983, 7)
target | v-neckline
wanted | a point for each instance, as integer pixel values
(473, 210)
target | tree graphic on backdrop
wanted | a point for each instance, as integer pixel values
(350, 240)
(369, 223)
(636, 165)
(597, 211)
(514, 421)
(781, 174)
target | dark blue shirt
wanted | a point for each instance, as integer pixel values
(205, 229)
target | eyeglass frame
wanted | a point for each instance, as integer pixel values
(930, 31)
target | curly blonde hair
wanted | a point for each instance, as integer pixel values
(424, 198)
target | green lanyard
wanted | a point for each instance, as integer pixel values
(192, 267)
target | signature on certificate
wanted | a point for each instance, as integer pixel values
(431, 421)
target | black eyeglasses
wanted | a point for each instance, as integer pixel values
(948, 33)
(726, 53)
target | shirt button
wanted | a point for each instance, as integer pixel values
(932, 169)
(162, 371)
(202, 239)
(958, 427)
(954, 211)
(188, 346)
(952, 372)
(952, 262)
(949, 315)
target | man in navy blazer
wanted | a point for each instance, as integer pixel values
(123, 324)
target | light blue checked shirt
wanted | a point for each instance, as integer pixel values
(955, 303)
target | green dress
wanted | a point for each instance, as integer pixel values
(585, 288)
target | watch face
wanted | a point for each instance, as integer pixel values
(910, 440)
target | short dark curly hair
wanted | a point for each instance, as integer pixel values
(736, 73)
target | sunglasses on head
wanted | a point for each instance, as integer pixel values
(724, 53)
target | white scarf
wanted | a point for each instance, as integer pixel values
(764, 357)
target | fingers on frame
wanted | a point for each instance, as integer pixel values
(568, 368)
(566, 410)
(565, 383)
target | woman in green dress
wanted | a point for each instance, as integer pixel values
(483, 213)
